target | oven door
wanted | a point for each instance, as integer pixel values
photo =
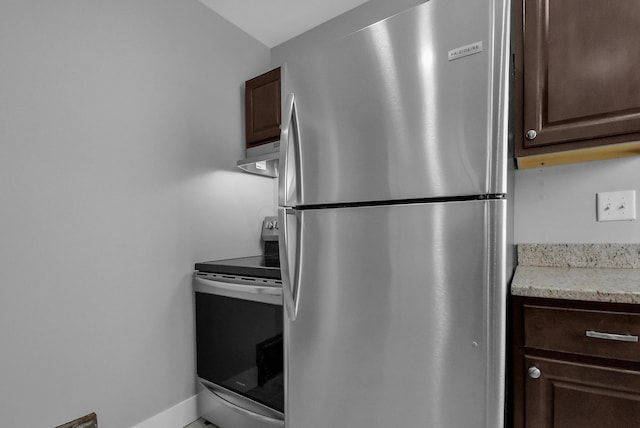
(239, 352)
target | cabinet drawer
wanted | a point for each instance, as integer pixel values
(585, 332)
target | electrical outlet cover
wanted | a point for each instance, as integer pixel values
(616, 206)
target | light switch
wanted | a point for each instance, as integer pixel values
(616, 206)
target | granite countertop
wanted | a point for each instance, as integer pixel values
(591, 272)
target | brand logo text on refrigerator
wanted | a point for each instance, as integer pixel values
(466, 50)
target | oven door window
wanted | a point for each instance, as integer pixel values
(239, 347)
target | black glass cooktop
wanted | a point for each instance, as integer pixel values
(256, 266)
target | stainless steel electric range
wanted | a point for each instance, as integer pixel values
(239, 344)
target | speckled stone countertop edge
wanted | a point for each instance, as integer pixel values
(588, 284)
(620, 256)
(591, 272)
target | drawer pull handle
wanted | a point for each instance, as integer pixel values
(612, 336)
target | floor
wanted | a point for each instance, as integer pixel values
(201, 423)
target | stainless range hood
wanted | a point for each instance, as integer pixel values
(266, 165)
(262, 160)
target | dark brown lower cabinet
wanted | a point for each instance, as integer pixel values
(574, 395)
(574, 364)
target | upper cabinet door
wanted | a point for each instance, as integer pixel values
(262, 108)
(579, 62)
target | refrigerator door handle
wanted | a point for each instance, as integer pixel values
(290, 283)
(290, 173)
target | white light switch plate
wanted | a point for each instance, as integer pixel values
(616, 206)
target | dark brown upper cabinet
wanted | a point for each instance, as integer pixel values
(577, 80)
(262, 108)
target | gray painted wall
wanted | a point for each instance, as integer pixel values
(120, 126)
(552, 205)
(558, 204)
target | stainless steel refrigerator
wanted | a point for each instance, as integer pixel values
(394, 219)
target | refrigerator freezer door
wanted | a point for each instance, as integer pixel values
(398, 111)
(402, 323)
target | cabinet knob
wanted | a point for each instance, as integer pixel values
(534, 372)
(531, 134)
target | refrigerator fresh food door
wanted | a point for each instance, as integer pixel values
(411, 107)
(399, 316)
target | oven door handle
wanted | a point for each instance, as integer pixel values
(256, 293)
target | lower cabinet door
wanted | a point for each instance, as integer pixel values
(561, 394)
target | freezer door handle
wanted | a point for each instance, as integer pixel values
(290, 173)
(290, 280)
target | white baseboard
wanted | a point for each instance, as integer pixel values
(178, 416)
